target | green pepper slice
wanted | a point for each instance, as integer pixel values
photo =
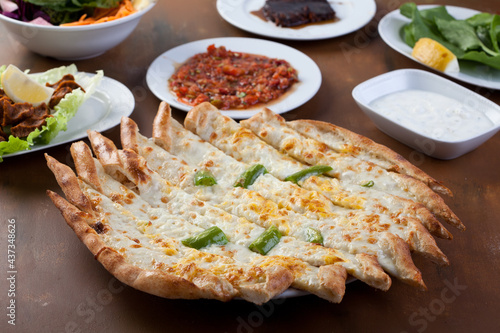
(248, 177)
(204, 178)
(210, 236)
(369, 184)
(314, 236)
(306, 173)
(266, 241)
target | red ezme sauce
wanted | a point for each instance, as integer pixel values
(231, 80)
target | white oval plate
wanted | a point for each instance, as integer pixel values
(352, 14)
(102, 111)
(163, 67)
(481, 75)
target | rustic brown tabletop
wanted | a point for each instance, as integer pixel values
(59, 287)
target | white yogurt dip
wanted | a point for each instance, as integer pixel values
(433, 115)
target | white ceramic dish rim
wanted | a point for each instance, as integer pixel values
(359, 13)
(292, 292)
(468, 74)
(164, 66)
(358, 95)
(92, 27)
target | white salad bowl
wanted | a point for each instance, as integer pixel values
(366, 93)
(73, 43)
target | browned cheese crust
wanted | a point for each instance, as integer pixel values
(162, 126)
(330, 276)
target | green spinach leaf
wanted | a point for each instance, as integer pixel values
(474, 39)
(420, 28)
(481, 19)
(495, 32)
(482, 58)
(463, 35)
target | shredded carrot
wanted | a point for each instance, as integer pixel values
(101, 15)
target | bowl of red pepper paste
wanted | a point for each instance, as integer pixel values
(231, 80)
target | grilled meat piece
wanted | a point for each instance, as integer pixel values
(292, 13)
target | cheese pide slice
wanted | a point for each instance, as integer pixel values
(148, 242)
(239, 230)
(137, 209)
(272, 128)
(396, 258)
(226, 134)
(344, 141)
(391, 252)
(326, 281)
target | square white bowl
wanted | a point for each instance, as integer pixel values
(412, 79)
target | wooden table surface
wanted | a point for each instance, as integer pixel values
(59, 287)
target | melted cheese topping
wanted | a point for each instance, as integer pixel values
(314, 209)
(167, 218)
(155, 245)
(342, 234)
(347, 168)
(252, 150)
(159, 160)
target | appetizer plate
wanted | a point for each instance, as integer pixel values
(351, 14)
(103, 110)
(163, 67)
(390, 29)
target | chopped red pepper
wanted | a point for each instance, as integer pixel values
(231, 80)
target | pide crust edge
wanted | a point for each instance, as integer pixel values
(154, 282)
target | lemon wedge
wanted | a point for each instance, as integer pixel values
(435, 55)
(22, 89)
(140, 4)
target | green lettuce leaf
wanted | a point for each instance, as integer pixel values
(12, 145)
(495, 32)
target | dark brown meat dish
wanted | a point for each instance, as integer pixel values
(292, 13)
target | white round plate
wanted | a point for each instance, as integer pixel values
(163, 67)
(352, 15)
(481, 75)
(102, 111)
